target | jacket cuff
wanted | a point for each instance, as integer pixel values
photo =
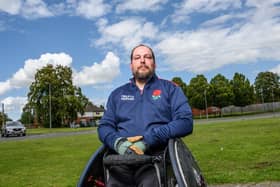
(119, 141)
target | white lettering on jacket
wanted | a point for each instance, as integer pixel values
(127, 97)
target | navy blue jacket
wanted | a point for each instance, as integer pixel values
(158, 113)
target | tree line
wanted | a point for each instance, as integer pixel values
(53, 100)
(238, 91)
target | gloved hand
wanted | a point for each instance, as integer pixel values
(122, 145)
(130, 145)
(138, 147)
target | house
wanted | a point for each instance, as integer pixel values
(212, 110)
(91, 116)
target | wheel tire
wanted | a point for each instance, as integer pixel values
(171, 182)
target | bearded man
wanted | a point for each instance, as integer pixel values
(140, 117)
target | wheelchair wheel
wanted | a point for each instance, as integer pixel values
(172, 182)
(185, 167)
(93, 175)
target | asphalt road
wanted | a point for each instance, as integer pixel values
(197, 121)
(238, 118)
(262, 184)
(48, 135)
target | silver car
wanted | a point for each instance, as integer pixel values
(14, 128)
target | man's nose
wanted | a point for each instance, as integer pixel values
(142, 60)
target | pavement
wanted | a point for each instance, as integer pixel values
(238, 118)
(47, 135)
(262, 184)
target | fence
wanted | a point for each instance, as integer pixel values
(265, 107)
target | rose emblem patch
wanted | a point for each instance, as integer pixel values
(156, 94)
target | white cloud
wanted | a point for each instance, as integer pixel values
(91, 9)
(208, 5)
(88, 76)
(187, 7)
(32, 9)
(209, 48)
(103, 72)
(24, 76)
(220, 21)
(29, 9)
(126, 33)
(10, 6)
(276, 69)
(136, 5)
(13, 106)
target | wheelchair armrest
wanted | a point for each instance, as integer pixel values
(130, 159)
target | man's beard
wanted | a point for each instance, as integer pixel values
(143, 76)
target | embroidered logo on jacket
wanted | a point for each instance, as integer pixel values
(127, 97)
(156, 94)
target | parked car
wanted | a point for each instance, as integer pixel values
(14, 128)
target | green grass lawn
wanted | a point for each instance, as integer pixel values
(56, 130)
(238, 152)
(230, 152)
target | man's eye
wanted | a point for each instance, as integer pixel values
(136, 57)
(148, 57)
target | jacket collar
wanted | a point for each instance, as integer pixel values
(151, 79)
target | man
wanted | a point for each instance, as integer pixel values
(141, 117)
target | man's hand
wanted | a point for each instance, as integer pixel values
(133, 139)
(138, 147)
(130, 145)
(122, 146)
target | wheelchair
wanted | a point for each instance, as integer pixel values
(176, 167)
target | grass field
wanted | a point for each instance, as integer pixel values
(231, 152)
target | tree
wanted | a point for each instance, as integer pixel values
(27, 116)
(243, 92)
(267, 86)
(53, 97)
(197, 89)
(3, 118)
(180, 83)
(221, 91)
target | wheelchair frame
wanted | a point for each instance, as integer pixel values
(180, 169)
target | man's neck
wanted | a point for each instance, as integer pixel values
(140, 84)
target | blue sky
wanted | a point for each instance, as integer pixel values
(94, 38)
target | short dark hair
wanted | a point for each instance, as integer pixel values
(132, 51)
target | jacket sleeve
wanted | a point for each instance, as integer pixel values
(107, 129)
(180, 125)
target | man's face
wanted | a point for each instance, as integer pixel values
(142, 63)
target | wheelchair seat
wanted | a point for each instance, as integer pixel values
(176, 167)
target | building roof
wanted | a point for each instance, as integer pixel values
(93, 108)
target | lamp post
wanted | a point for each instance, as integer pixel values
(261, 89)
(205, 98)
(272, 94)
(50, 106)
(3, 114)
